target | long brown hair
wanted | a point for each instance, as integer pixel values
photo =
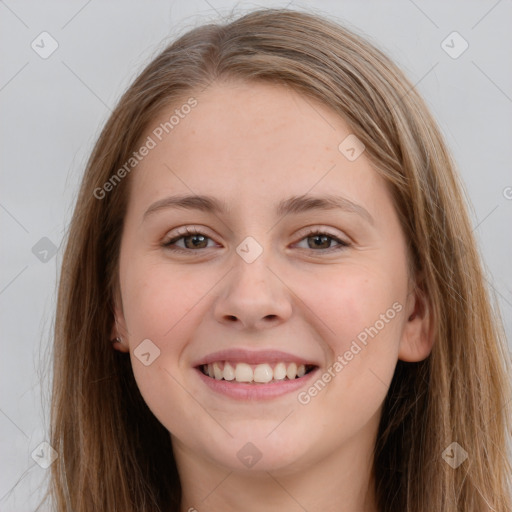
(114, 455)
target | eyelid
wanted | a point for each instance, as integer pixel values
(185, 231)
(316, 228)
(195, 230)
(188, 230)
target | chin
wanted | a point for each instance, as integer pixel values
(254, 452)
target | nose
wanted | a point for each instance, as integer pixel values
(253, 297)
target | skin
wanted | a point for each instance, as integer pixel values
(253, 145)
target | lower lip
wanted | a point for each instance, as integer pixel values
(244, 391)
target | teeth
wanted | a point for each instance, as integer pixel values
(280, 371)
(243, 373)
(217, 372)
(262, 373)
(228, 372)
(291, 372)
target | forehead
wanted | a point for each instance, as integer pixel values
(250, 141)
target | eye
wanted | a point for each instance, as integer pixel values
(194, 239)
(322, 240)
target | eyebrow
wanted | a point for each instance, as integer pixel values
(292, 205)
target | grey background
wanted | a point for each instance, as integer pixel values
(52, 110)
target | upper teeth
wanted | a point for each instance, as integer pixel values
(243, 372)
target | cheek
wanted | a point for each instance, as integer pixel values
(162, 303)
(159, 305)
(363, 310)
(158, 299)
(351, 301)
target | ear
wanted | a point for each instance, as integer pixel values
(418, 334)
(119, 329)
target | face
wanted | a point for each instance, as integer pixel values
(267, 285)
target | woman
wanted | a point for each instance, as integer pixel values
(212, 354)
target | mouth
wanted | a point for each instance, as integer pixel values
(257, 374)
(249, 375)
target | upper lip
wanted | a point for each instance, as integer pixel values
(252, 357)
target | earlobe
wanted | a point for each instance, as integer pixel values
(118, 333)
(118, 344)
(418, 335)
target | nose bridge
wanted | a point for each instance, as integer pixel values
(252, 268)
(251, 280)
(252, 292)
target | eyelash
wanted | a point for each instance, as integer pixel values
(193, 231)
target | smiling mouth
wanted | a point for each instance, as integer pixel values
(264, 373)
